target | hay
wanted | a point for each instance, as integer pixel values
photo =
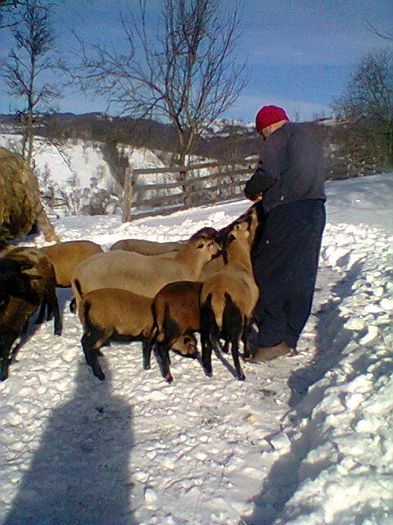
(20, 203)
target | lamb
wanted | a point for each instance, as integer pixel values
(176, 313)
(144, 274)
(228, 299)
(112, 312)
(30, 286)
(65, 256)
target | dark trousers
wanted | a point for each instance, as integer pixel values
(285, 262)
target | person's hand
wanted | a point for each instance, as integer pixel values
(250, 195)
(255, 198)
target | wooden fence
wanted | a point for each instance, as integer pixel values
(164, 190)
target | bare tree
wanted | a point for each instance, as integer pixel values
(187, 73)
(386, 35)
(30, 63)
(367, 107)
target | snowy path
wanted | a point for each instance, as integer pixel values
(305, 439)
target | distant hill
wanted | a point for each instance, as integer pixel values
(225, 140)
(222, 141)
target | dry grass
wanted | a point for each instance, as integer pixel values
(18, 197)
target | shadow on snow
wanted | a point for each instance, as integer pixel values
(288, 471)
(80, 472)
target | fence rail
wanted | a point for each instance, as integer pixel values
(173, 188)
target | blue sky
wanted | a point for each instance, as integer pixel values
(301, 52)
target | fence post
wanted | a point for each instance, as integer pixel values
(183, 184)
(127, 195)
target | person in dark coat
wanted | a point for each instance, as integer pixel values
(289, 183)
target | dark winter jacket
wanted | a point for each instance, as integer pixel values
(291, 168)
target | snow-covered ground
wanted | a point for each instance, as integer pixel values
(305, 440)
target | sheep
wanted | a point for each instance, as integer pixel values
(30, 286)
(147, 247)
(144, 274)
(176, 313)
(65, 256)
(157, 248)
(112, 312)
(252, 217)
(13, 280)
(228, 299)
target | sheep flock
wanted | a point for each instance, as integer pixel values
(161, 294)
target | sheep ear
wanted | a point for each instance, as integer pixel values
(231, 237)
(244, 226)
(26, 266)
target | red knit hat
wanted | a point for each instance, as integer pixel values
(269, 115)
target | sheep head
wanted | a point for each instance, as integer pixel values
(186, 346)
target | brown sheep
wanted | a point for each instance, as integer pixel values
(252, 217)
(176, 313)
(65, 256)
(228, 299)
(111, 312)
(147, 247)
(144, 274)
(30, 286)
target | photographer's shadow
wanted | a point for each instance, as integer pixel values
(80, 473)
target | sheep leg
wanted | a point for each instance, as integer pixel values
(89, 341)
(6, 342)
(225, 348)
(54, 311)
(73, 306)
(206, 354)
(246, 347)
(162, 357)
(41, 314)
(147, 346)
(236, 360)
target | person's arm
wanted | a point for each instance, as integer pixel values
(273, 162)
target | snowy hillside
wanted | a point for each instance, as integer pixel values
(305, 440)
(73, 172)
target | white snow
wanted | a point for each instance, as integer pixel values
(305, 440)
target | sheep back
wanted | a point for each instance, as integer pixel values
(147, 247)
(118, 311)
(176, 309)
(65, 256)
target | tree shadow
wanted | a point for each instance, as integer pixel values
(80, 473)
(332, 338)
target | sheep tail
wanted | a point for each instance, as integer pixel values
(213, 310)
(218, 307)
(78, 288)
(84, 315)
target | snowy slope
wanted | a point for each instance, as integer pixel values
(304, 440)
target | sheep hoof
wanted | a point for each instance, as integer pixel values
(100, 375)
(146, 367)
(241, 377)
(169, 378)
(3, 373)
